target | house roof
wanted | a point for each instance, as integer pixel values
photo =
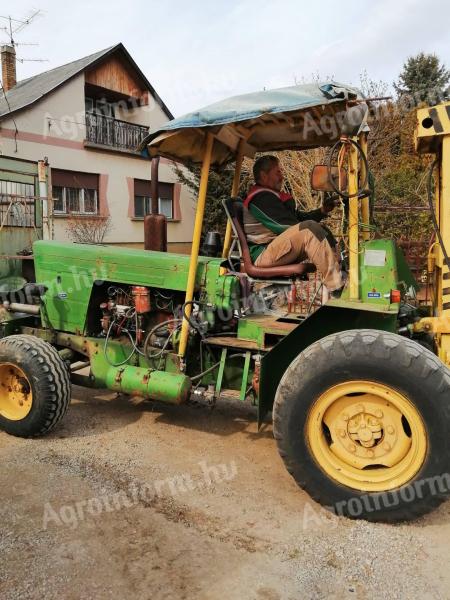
(31, 90)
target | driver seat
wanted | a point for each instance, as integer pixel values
(234, 209)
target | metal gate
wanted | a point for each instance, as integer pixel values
(20, 220)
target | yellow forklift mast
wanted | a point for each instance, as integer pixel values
(432, 136)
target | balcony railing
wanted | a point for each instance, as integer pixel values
(107, 131)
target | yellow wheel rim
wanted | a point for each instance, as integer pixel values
(367, 436)
(16, 397)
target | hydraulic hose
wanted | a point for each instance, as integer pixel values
(362, 189)
(150, 334)
(105, 347)
(192, 323)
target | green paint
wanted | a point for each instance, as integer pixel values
(382, 268)
(173, 388)
(13, 167)
(245, 373)
(250, 328)
(223, 359)
(71, 270)
(257, 327)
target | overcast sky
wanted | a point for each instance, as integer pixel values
(200, 51)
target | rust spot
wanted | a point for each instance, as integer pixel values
(255, 379)
(118, 377)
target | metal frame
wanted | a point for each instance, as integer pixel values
(196, 241)
(353, 223)
(433, 136)
(234, 193)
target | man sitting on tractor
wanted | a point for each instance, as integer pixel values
(280, 234)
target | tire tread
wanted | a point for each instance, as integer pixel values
(372, 341)
(53, 383)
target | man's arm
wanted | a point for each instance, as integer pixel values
(278, 216)
(329, 203)
(311, 215)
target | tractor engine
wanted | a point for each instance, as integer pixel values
(147, 317)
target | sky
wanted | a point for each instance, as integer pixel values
(197, 52)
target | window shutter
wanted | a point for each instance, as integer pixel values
(166, 191)
(72, 179)
(142, 187)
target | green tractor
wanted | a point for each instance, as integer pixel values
(359, 389)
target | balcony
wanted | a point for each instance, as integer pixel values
(107, 132)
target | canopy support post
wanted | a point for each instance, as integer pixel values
(234, 193)
(365, 202)
(196, 243)
(353, 223)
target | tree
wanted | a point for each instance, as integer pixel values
(424, 78)
(297, 167)
(219, 187)
(399, 173)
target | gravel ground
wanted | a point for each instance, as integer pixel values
(160, 502)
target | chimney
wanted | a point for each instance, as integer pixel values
(8, 55)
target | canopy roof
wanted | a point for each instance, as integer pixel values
(294, 118)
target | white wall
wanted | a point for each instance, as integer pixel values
(54, 127)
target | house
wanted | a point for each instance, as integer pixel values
(87, 118)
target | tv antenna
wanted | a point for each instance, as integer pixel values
(14, 26)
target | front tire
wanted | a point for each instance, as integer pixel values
(35, 386)
(361, 420)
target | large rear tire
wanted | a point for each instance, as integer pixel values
(34, 386)
(362, 422)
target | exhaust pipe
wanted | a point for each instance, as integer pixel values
(28, 309)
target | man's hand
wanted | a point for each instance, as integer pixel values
(330, 202)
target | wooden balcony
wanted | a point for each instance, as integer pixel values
(107, 132)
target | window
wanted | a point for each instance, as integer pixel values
(142, 206)
(90, 201)
(74, 193)
(89, 105)
(143, 202)
(105, 108)
(59, 201)
(100, 107)
(165, 206)
(68, 200)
